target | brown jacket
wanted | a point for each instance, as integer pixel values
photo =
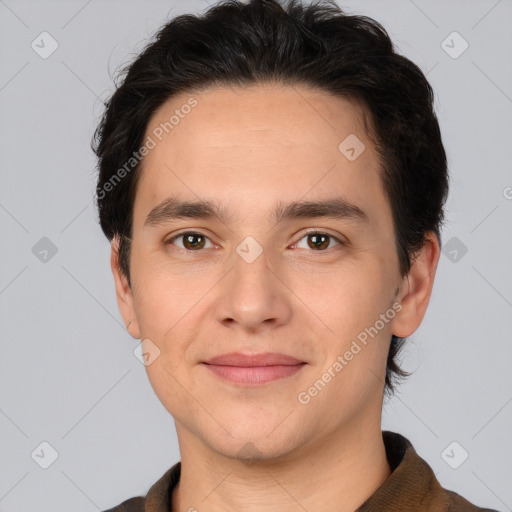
(412, 486)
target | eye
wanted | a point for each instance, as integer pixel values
(191, 241)
(317, 240)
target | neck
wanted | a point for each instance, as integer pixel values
(338, 473)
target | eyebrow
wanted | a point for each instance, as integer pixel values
(335, 208)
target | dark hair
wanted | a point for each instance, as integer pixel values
(262, 41)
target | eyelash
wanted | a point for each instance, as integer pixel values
(312, 232)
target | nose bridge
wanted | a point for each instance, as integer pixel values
(251, 277)
(252, 294)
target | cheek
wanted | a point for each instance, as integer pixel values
(174, 306)
(165, 303)
(352, 339)
(162, 292)
(345, 300)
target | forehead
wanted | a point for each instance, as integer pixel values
(234, 115)
(275, 141)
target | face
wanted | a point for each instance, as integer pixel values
(249, 274)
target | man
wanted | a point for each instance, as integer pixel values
(272, 179)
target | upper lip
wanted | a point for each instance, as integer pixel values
(251, 360)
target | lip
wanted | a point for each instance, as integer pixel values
(253, 369)
(251, 360)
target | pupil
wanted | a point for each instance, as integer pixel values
(190, 240)
(318, 240)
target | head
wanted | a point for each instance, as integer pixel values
(269, 118)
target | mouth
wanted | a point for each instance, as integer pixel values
(253, 370)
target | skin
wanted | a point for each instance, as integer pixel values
(250, 148)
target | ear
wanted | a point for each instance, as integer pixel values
(123, 292)
(416, 288)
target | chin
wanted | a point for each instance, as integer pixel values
(268, 437)
(258, 450)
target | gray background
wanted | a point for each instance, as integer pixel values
(68, 375)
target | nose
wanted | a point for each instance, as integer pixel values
(253, 296)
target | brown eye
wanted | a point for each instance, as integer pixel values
(193, 241)
(190, 241)
(318, 241)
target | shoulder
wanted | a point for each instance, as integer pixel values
(456, 503)
(131, 505)
(159, 496)
(412, 484)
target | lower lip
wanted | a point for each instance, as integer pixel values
(255, 374)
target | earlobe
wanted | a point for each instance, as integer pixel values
(123, 292)
(416, 288)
